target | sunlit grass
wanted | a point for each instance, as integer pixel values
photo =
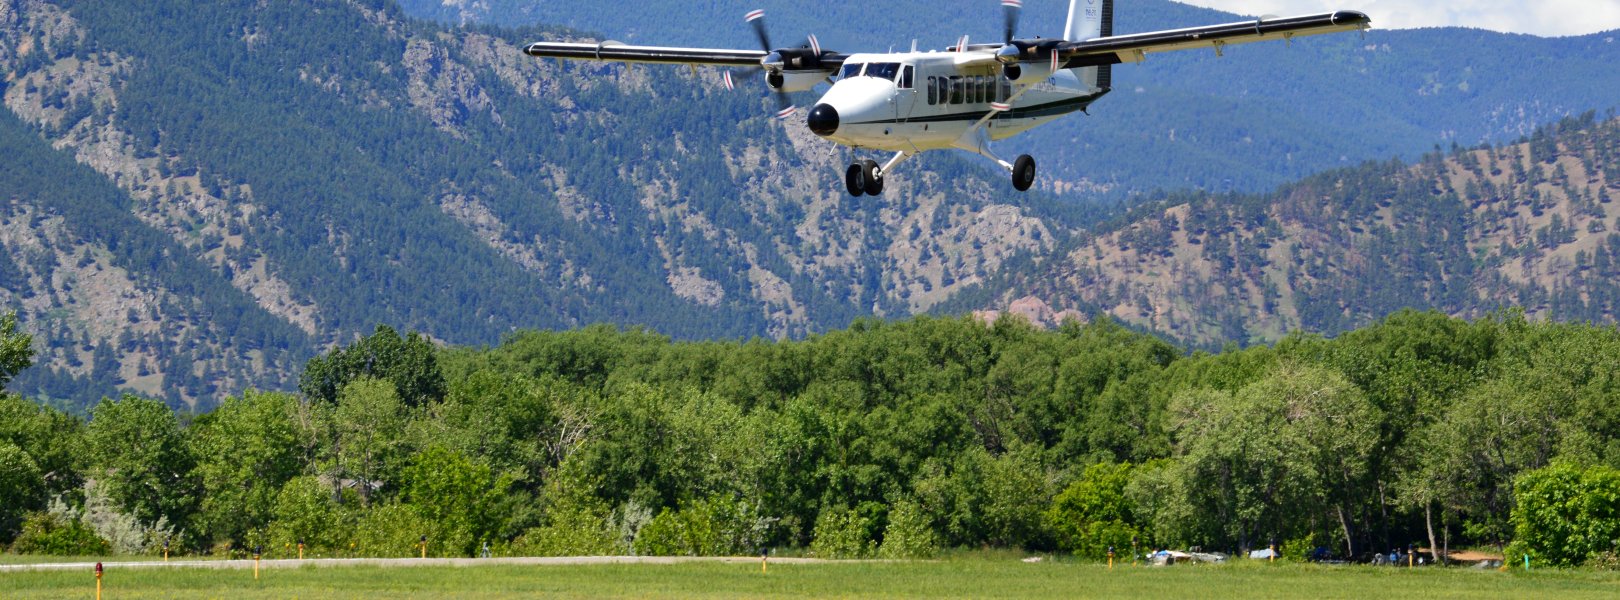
(977, 576)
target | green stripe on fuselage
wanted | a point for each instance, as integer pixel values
(1061, 107)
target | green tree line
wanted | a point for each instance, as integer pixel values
(888, 438)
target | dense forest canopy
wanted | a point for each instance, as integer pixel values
(892, 438)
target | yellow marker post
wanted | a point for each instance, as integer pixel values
(98, 581)
(165, 550)
(1110, 558)
(300, 549)
(424, 547)
(1273, 557)
(257, 550)
(764, 556)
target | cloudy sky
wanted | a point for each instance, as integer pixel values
(1538, 17)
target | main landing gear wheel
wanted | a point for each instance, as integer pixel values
(869, 174)
(1023, 173)
(862, 179)
(854, 181)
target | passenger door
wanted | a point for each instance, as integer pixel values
(905, 96)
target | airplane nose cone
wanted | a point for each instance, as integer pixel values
(823, 119)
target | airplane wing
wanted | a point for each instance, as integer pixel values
(618, 52)
(1134, 47)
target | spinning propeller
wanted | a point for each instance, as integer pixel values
(1010, 10)
(805, 57)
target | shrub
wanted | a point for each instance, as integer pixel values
(571, 531)
(1607, 560)
(1565, 515)
(21, 486)
(48, 533)
(395, 530)
(718, 526)
(577, 523)
(909, 534)
(304, 511)
(126, 533)
(1094, 512)
(841, 533)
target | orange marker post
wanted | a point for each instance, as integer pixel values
(98, 581)
(1110, 558)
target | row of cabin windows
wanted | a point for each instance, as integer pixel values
(982, 89)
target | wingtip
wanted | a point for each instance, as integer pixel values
(1351, 17)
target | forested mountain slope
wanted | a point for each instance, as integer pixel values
(1264, 115)
(1533, 224)
(342, 166)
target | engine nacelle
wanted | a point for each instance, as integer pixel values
(795, 81)
(1026, 73)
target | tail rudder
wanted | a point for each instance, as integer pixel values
(1091, 19)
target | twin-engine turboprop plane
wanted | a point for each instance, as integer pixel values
(962, 98)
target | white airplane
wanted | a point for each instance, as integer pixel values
(962, 98)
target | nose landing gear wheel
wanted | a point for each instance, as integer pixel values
(1023, 173)
(873, 185)
(854, 181)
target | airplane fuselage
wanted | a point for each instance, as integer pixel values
(912, 102)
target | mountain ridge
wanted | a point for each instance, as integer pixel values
(1261, 116)
(301, 172)
(1468, 231)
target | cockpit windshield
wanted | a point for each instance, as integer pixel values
(887, 71)
(883, 70)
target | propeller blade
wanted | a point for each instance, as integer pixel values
(1010, 10)
(730, 85)
(785, 106)
(757, 20)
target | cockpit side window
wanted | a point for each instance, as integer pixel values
(853, 70)
(906, 77)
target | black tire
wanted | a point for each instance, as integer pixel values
(874, 184)
(854, 181)
(1023, 174)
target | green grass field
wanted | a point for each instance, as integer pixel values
(975, 578)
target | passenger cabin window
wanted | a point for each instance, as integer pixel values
(853, 70)
(962, 90)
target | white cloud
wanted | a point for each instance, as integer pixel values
(1537, 17)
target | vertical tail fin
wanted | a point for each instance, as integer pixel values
(1091, 19)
